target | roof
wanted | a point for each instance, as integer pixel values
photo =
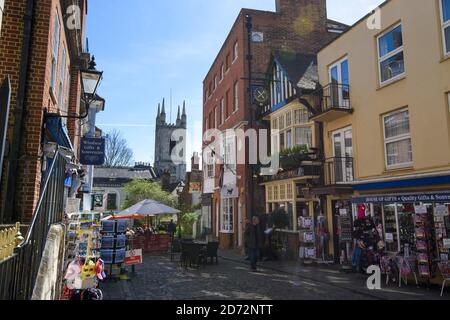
(127, 173)
(336, 26)
(301, 68)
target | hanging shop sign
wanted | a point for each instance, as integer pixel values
(442, 197)
(92, 151)
(195, 187)
(230, 192)
(133, 257)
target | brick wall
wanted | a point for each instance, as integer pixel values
(38, 97)
(296, 26)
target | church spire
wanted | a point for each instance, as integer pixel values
(159, 110)
(163, 107)
(184, 108)
(178, 116)
(184, 116)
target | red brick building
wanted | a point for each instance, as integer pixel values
(297, 26)
(41, 51)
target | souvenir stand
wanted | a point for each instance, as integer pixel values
(345, 232)
(307, 251)
(84, 267)
(113, 244)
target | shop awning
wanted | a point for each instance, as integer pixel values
(403, 183)
(57, 132)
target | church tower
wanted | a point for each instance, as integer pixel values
(164, 145)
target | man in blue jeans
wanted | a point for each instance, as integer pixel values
(253, 236)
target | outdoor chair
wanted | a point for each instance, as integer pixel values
(175, 248)
(195, 256)
(211, 251)
(184, 257)
(444, 268)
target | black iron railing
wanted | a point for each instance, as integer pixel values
(18, 273)
(332, 96)
(339, 171)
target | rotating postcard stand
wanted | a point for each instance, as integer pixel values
(345, 241)
(113, 249)
(307, 251)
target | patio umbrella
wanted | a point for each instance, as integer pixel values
(126, 217)
(147, 208)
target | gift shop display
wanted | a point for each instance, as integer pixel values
(113, 243)
(442, 229)
(307, 240)
(84, 266)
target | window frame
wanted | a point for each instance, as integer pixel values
(55, 52)
(391, 54)
(444, 26)
(235, 51)
(222, 111)
(227, 209)
(236, 96)
(398, 138)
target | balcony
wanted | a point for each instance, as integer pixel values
(332, 102)
(300, 164)
(338, 174)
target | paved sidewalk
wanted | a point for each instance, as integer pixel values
(352, 282)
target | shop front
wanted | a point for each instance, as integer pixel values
(413, 226)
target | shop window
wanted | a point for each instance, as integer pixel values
(390, 55)
(445, 15)
(227, 216)
(390, 227)
(397, 140)
(111, 203)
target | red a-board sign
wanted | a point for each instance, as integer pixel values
(133, 257)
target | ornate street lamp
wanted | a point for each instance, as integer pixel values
(91, 79)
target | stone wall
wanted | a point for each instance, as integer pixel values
(49, 280)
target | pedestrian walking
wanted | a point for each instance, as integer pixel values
(253, 239)
(172, 228)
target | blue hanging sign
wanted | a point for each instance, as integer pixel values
(92, 151)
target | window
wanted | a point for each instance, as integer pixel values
(235, 51)
(281, 123)
(303, 137)
(227, 216)
(222, 111)
(227, 62)
(227, 103)
(215, 117)
(215, 82)
(445, 9)
(289, 139)
(236, 96)
(288, 119)
(301, 116)
(61, 81)
(111, 203)
(397, 139)
(282, 144)
(230, 154)
(390, 55)
(222, 72)
(55, 50)
(340, 84)
(209, 165)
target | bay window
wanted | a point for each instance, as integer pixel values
(390, 55)
(397, 140)
(227, 216)
(303, 137)
(445, 15)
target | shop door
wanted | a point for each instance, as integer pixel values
(343, 155)
(339, 85)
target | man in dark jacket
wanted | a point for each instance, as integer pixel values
(253, 239)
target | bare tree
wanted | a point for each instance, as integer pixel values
(118, 153)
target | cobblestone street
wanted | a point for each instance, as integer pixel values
(160, 279)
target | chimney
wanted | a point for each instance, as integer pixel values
(195, 162)
(313, 9)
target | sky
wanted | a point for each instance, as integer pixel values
(148, 49)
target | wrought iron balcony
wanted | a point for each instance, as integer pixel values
(338, 171)
(332, 102)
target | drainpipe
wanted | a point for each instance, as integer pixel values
(9, 208)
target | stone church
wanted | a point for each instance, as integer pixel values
(164, 146)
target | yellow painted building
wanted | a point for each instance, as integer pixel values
(386, 120)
